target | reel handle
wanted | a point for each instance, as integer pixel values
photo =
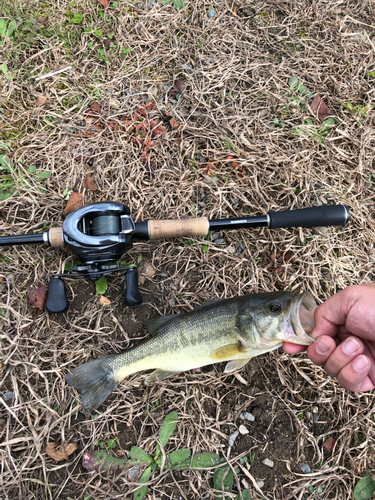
(132, 294)
(56, 302)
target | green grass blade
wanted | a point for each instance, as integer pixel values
(141, 492)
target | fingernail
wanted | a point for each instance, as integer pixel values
(322, 346)
(351, 346)
(360, 363)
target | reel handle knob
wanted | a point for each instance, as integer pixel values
(56, 300)
(132, 295)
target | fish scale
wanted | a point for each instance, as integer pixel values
(233, 330)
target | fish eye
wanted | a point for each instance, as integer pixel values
(275, 308)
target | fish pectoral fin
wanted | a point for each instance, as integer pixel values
(158, 374)
(153, 324)
(235, 364)
(227, 351)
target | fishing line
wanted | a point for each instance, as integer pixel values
(105, 224)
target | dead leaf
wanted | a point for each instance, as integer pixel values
(320, 108)
(37, 296)
(62, 453)
(41, 100)
(105, 3)
(329, 444)
(75, 201)
(173, 123)
(26, 330)
(89, 183)
(107, 42)
(210, 168)
(178, 85)
(44, 22)
(280, 258)
(104, 301)
(95, 109)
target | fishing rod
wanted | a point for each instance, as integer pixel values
(99, 234)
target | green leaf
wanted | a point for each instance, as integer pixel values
(178, 4)
(245, 495)
(101, 285)
(141, 492)
(328, 122)
(139, 454)
(166, 2)
(223, 480)
(12, 27)
(44, 174)
(203, 460)
(4, 68)
(5, 162)
(5, 196)
(293, 82)
(301, 89)
(179, 456)
(365, 488)
(205, 248)
(166, 430)
(3, 28)
(31, 169)
(98, 33)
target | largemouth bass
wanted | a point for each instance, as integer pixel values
(233, 330)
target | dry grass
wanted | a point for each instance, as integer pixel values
(235, 69)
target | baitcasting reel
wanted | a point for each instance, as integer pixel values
(99, 234)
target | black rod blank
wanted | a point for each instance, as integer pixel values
(24, 239)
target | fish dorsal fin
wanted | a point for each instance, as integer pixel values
(235, 364)
(209, 303)
(158, 374)
(154, 324)
(227, 351)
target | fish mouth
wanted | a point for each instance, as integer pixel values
(302, 319)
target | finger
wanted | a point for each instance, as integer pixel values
(293, 348)
(332, 314)
(321, 349)
(344, 353)
(354, 376)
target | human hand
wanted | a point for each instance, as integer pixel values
(345, 333)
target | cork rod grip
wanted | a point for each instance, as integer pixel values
(56, 237)
(160, 229)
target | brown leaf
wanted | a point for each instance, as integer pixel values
(75, 201)
(44, 22)
(37, 296)
(107, 42)
(89, 183)
(41, 100)
(173, 123)
(320, 108)
(210, 168)
(105, 3)
(26, 330)
(178, 85)
(94, 110)
(329, 444)
(62, 453)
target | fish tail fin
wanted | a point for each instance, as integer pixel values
(95, 380)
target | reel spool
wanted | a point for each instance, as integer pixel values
(98, 234)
